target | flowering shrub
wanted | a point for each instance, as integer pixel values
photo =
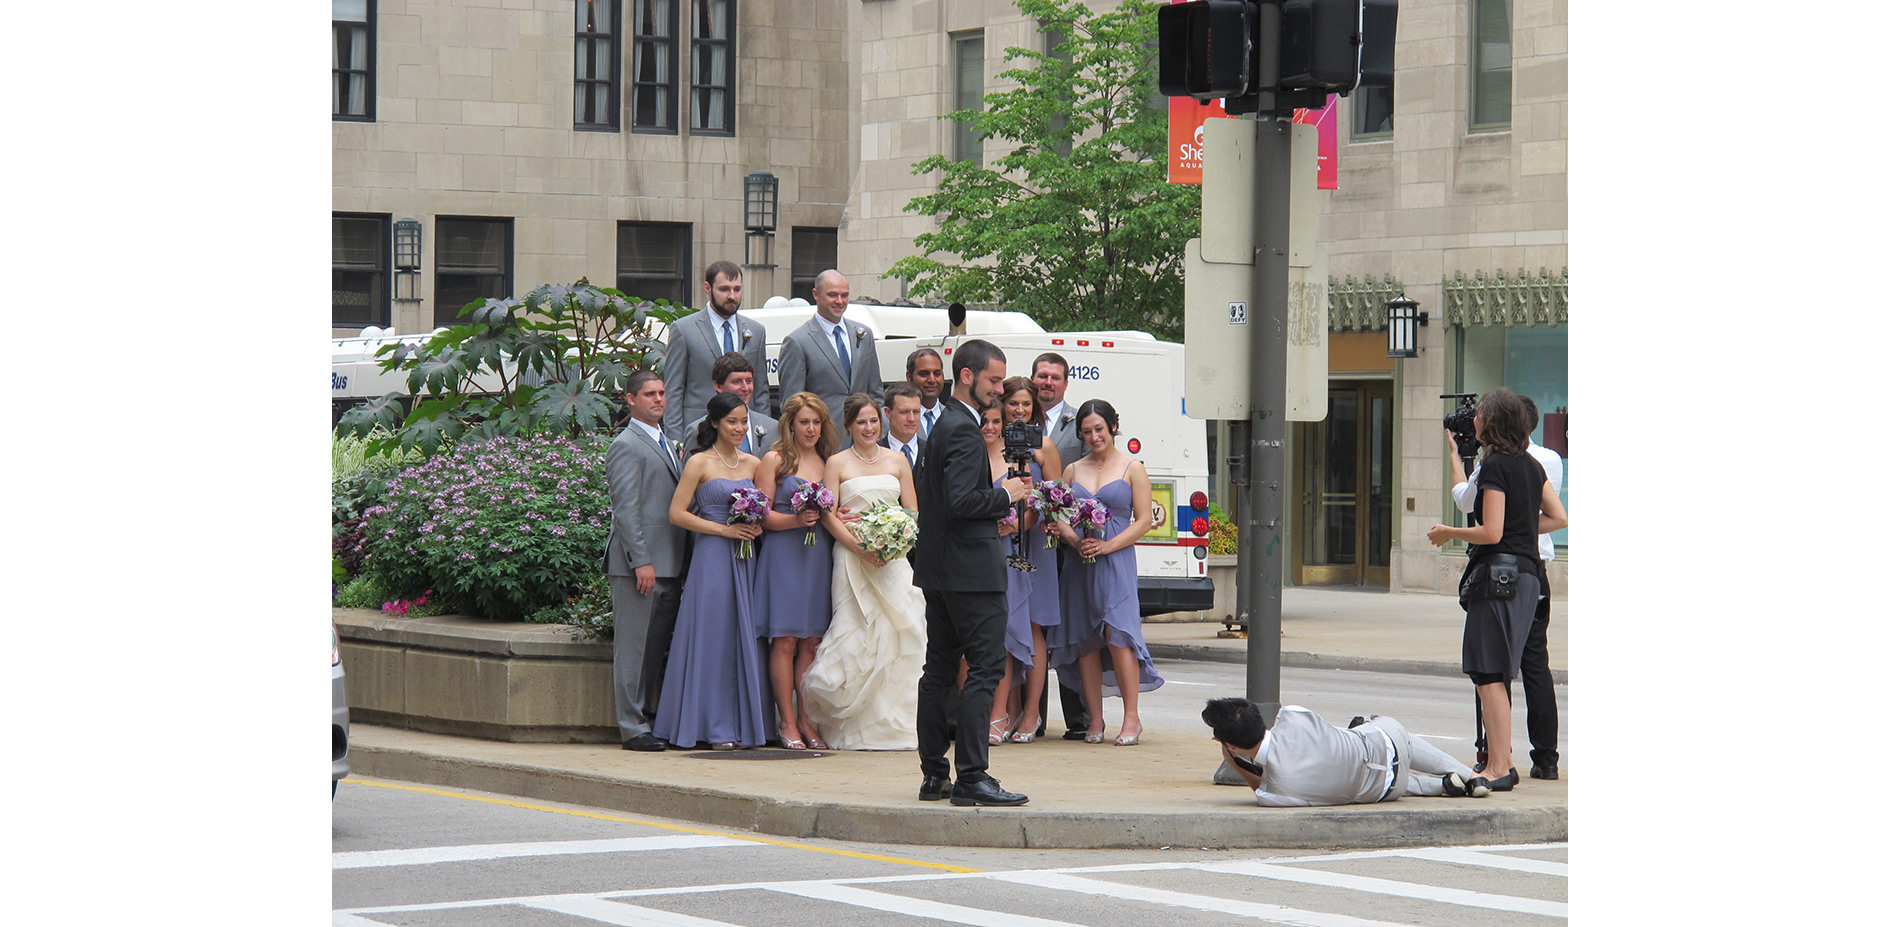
(502, 527)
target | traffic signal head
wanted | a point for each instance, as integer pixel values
(1207, 48)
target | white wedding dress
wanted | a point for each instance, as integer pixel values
(861, 689)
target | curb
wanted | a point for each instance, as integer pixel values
(1304, 660)
(1411, 823)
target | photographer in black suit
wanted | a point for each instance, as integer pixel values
(965, 605)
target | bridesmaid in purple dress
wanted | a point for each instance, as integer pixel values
(792, 592)
(714, 688)
(1033, 604)
(1105, 589)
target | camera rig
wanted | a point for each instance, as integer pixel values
(1021, 441)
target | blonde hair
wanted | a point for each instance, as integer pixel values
(787, 443)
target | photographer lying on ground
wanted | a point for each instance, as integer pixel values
(1305, 761)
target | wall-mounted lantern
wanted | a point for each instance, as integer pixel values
(761, 217)
(1402, 322)
(408, 259)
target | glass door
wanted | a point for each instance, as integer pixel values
(1345, 479)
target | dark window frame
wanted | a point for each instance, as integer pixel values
(446, 315)
(1486, 75)
(666, 45)
(729, 90)
(804, 274)
(965, 144)
(684, 295)
(339, 76)
(1357, 132)
(589, 84)
(378, 312)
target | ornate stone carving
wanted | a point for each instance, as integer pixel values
(1505, 300)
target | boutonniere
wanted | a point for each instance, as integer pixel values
(678, 449)
(758, 433)
(859, 335)
(745, 336)
(1067, 417)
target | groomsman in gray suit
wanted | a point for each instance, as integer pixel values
(1050, 374)
(696, 341)
(827, 355)
(924, 369)
(645, 559)
(904, 411)
(733, 373)
(1305, 761)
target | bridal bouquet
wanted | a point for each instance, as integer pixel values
(1089, 513)
(1056, 501)
(748, 507)
(887, 531)
(814, 497)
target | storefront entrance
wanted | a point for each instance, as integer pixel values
(1343, 488)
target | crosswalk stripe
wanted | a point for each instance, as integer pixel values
(596, 908)
(341, 919)
(1272, 913)
(914, 907)
(422, 856)
(1423, 892)
(1494, 861)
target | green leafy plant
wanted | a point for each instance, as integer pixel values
(1223, 536)
(1076, 223)
(590, 612)
(501, 527)
(548, 363)
(361, 592)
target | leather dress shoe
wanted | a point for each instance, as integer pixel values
(984, 791)
(644, 742)
(1544, 772)
(1502, 783)
(935, 788)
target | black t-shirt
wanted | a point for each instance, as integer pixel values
(1521, 479)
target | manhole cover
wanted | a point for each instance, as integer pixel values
(751, 754)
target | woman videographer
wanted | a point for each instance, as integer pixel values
(1499, 589)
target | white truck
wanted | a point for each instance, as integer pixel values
(1143, 378)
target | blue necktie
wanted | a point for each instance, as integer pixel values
(907, 457)
(930, 420)
(844, 357)
(728, 336)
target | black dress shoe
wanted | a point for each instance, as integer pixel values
(935, 788)
(1502, 783)
(1355, 722)
(1544, 772)
(644, 742)
(1073, 734)
(984, 791)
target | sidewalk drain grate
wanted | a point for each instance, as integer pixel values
(752, 754)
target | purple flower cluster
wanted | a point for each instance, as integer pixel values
(812, 497)
(748, 508)
(1056, 501)
(1090, 513)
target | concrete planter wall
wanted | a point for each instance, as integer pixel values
(1224, 571)
(468, 677)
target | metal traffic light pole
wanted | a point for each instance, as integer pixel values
(1263, 532)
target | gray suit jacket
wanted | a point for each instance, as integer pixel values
(641, 487)
(1068, 442)
(691, 348)
(808, 362)
(760, 423)
(1311, 760)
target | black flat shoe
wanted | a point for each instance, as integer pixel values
(1502, 783)
(984, 791)
(1543, 772)
(935, 788)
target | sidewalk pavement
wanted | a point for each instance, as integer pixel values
(1155, 794)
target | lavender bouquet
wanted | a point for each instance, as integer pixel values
(1090, 513)
(748, 507)
(1056, 501)
(813, 497)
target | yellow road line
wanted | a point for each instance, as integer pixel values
(675, 827)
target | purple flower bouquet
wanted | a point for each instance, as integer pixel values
(1056, 501)
(748, 507)
(1090, 513)
(813, 497)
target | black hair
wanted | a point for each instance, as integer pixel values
(717, 408)
(975, 354)
(1102, 408)
(1235, 721)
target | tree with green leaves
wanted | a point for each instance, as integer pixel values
(553, 362)
(1076, 223)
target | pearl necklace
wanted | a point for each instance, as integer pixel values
(876, 452)
(722, 459)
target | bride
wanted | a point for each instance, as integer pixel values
(861, 689)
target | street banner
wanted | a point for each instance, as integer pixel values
(1186, 116)
(1327, 120)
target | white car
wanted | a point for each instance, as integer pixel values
(339, 715)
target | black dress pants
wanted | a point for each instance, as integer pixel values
(1540, 689)
(967, 625)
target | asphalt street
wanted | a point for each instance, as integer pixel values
(427, 856)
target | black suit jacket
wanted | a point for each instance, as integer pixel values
(957, 509)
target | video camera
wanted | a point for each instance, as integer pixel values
(1021, 441)
(1462, 423)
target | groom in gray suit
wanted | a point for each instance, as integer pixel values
(827, 355)
(645, 558)
(695, 342)
(1305, 761)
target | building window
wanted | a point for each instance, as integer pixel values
(653, 261)
(596, 64)
(1491, 64)
(1059, 124)
(474, 259)
(965, 144)
(353, 60)
(814, 251)
(714, 22)
(359, 269)
(654, 81)
(1531, 360)
(1371, 114)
